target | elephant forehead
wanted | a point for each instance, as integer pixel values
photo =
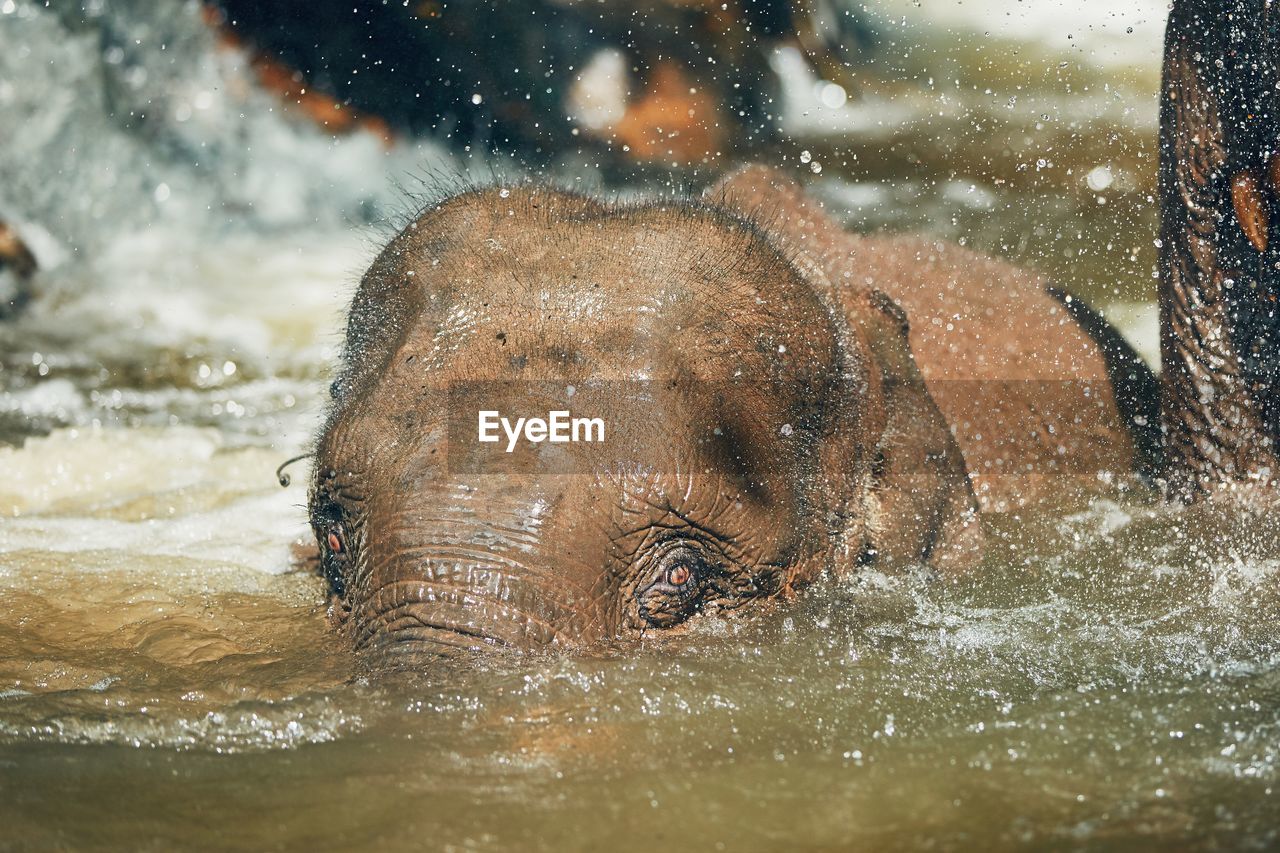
(642, 287)
(643, 260)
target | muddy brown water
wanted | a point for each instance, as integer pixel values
(1110, 677)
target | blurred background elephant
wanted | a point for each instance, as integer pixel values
(682, 80)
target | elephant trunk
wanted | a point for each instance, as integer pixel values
(467, 574)
(447, 598)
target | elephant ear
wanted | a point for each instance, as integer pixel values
(922, 504)
(920, 507)
(1219, 332)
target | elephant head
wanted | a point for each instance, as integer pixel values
(754, 419)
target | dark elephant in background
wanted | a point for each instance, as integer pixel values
(1219, 250)
(694, 76)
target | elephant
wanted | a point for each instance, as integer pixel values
(788, 400)
(687, 81)
(1219, 174)
(781, 400)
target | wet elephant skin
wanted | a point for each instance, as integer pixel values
(811, 402)
(1219, 259)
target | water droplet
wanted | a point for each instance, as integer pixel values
(832, 95)
(1099, 178)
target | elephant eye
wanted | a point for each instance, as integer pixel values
(675, 592)
(334, 557)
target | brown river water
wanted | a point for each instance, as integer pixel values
(1109, 678)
